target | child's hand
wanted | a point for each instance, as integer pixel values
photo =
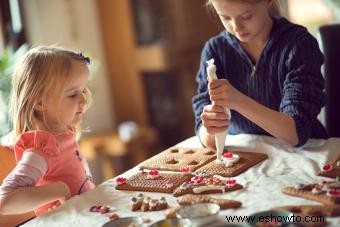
(55, 205)
(214, 119)
(222, 93)
(63, 191)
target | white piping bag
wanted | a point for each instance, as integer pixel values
(221, 136)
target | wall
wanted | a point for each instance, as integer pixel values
(74, 24)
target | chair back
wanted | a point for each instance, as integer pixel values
(330, 37)
(7, 163)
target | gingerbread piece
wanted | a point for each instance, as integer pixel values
(331, 170)
(315, 210)
(176, 159)
(245, 161)
(156, 204)
(171, 212)
(165, 182)
(207, 185)
(136, 202)
(223, 203)
(146, 203)
(327, 192)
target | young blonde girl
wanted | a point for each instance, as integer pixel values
(269, 73)
(49, 98)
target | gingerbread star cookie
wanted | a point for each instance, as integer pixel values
(331, 170)
(152, 181)
(232, 163)
(200, 184)
(327, 192)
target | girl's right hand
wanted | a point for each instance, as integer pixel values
(214, 119)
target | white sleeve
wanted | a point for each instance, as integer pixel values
(26, 173)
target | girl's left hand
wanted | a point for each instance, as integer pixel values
(222, 93)
(55, 205)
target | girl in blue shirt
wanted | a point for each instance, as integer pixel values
(269, 73)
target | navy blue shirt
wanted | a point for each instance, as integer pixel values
(287, 78)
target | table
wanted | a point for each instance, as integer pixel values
(262, 183)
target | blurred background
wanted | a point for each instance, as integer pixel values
(145, 56)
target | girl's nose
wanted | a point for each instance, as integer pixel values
(82, 100)
(237, 26)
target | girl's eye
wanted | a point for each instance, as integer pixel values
(247, 17)
(72, 96)
(225, 18)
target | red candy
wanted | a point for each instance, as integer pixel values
(95, 208)
(185, 170)
(153, 172)
(121, 180)
(231, 181)
(327, 167)
(100, 209)
(334, 192)
(228, 155)
(104, 210)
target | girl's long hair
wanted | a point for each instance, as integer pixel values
(275, 9)
(41, 71)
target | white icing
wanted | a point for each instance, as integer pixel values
(219, 161)
(316, 190)
(221, 178)
(299, 186)
(201, 189)
(184, 186)
(221, 136)
(230, 161)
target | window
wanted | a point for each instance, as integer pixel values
(319, 12)
(11, 24)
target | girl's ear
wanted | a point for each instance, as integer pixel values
(270, 3)
(39, 106)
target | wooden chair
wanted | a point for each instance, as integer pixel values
(7, 163)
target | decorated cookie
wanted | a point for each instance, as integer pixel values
(223, 203)
(207, 185)
(178, 159)
(331, 170)
(146, 203)
(100, 209)
(327, 192)
(233, 164)
(136, 202)
(163, 182)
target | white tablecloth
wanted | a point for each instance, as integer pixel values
(262, 183)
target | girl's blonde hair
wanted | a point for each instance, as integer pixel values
(275, 9)
(41, 71)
